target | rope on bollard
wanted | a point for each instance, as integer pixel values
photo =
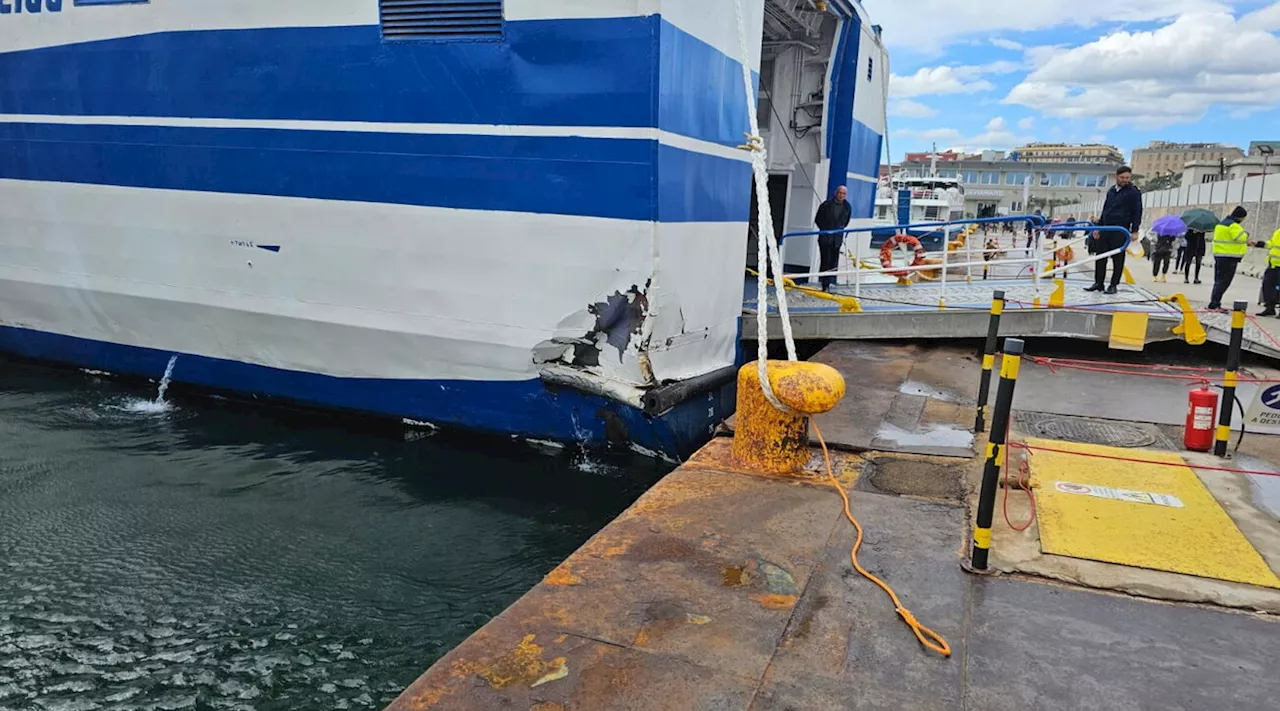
(929, 638)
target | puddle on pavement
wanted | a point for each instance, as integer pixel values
(915, 387)
(1266, 494)
(935, 436)
(1265, 489)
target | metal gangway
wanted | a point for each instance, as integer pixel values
(948, 293)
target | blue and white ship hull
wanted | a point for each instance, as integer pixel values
(537, 235)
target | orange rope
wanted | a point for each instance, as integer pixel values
(930, 639)
(1024, 483)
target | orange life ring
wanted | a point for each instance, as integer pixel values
(891, 244)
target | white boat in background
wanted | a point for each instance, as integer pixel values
(526, 217)
(910, 200)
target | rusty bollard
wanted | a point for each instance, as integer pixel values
(769, 440)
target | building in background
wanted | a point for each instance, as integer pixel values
(1161, 159)
(1068, 153)
(947, 157)
(995, 186)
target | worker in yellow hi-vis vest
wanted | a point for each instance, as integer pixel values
(1271, 280)
(1230, 245)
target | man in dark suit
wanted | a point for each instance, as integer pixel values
(833, 215)
(1123, 208)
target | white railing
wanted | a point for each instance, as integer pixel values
(1037, 260)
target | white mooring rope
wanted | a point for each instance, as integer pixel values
(768, 243)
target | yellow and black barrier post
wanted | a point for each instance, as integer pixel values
(1230, 379)
(996, 444)
(989, 359)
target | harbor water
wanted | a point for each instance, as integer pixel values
(182, 552)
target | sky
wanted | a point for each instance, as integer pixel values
(1001, 73)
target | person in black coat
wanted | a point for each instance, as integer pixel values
(833, 215)
(1195, 253)
(1123, 208)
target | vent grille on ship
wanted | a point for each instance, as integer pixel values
(441, 19)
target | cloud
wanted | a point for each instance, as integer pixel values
(1027, 123)
(1158, 78)
(993, 16)
(934, 81)
(1007, 44)
(996, 135)
(1267, 19)
(906, 108)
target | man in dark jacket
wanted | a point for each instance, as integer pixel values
(1123, 208)
(833, 214)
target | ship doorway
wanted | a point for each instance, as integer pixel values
(779, 186)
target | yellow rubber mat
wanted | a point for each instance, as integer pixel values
(1141, 515)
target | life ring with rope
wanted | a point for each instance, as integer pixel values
(891, 245)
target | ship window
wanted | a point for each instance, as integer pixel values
(441, 19)
(931, 212)
(871, 67)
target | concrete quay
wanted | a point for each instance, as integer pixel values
(724, 588)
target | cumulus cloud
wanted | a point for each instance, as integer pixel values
(906, 108)
(1027, 123)
(997, 135)
(1267, 19)
(992, 16)
(1167, 76)
(1007, 44)
(934, 81)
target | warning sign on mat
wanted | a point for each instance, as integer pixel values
(1106, 492)
(1265, 410)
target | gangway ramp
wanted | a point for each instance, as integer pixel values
(925, 311)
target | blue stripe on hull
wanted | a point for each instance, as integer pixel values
(594, 177)
(582, 72)
(525, 408)
(862, 197)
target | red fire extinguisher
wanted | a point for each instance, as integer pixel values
(1202, 413)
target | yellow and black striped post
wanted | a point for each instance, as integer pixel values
(989, 359)
(1230, 379)
(996, 443)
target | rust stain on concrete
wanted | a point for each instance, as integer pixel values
(773, 601)
(562, 576)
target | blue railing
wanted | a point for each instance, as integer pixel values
(1033, 220)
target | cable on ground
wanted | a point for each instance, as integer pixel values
(1024, 483)
(929, 638)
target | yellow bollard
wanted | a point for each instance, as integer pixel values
(770, 441)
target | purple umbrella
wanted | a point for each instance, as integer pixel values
(1169, 226)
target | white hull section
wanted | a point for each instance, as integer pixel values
(360, 290)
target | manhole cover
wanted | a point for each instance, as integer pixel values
(1112, 434)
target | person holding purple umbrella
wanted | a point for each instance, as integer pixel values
(1167, 229)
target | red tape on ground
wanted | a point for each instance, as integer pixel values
(1135, 460)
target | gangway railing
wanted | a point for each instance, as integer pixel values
(1036, 259)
